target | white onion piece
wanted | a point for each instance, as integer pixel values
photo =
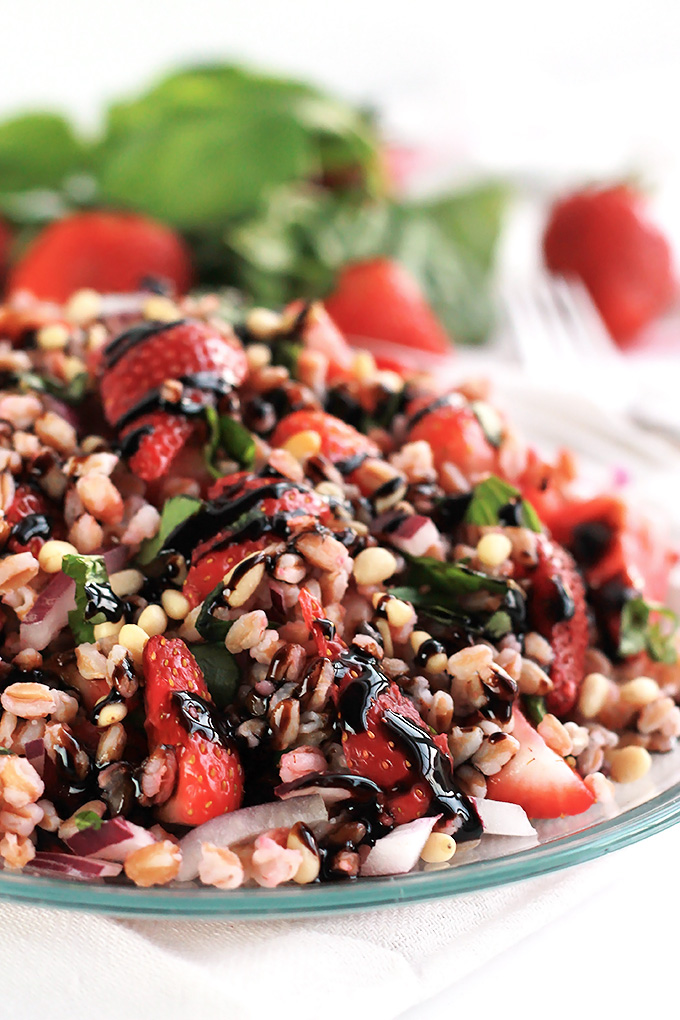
(225, 830)
(49, 614)
(501, 818)
(329, 794)
(83, 869)
(398, 851)
(114, 840)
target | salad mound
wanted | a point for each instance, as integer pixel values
(273, 613)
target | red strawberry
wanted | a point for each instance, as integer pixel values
(25, 503)
(168, 666)
(312, 611)
(339, 441)
(454, 434)
(158, 448)
(179, 350)
(319, 333)
(209, 783)
(555, 577)
(108, 251)
(538, 779)
(379, 300)
(209, 774)
(603, 236)
(210, 569)
(296, 501)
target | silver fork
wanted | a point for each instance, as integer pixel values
(556, 333)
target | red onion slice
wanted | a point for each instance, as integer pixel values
(503, 819)
(35, 754)
(399, 851)
(114, 840)
(81, 869)
(49, 614)
(238, 826)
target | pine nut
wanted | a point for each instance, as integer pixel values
(493, 549)
(133, 638)
(303, 444)
(374, 565)
(398, 613)
(258, 356)
(246, 586)
(593, 695)
(364, 366)
(153, 620)
(640, 692)
(160, 309)
(107, 630)
(53, 337)
(52, 553)
(309, 868)
(439, 848)
(126, 582)
(175, 604)
(263, 323)
(111, 714)
(534, 680)
(417, 638)
(83, 306)
(628, 764)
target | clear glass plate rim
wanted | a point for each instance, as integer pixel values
(603, 837)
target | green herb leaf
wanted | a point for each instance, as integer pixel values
(72, 392)
(208, 626)
(499, 625)
(87, 570)
(642, 630)
(489, 498)
(87, 820)
(230, 436)
(5, 750)
(453, 578)
(175, 511)
(220, 669)
(534, 708)
(37, 150)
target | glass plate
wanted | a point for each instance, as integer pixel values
(642, 809)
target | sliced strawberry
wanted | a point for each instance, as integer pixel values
(339, 441)
(379, 300)
(169, 666)
(454, 434)
(209, 774)
(183, 349)
(296, 501)
(538, 779)
(210, 569)
(209, 783)
(158, 448)
(312, 612)
(28, 502)
(557, 589)
(320, 333)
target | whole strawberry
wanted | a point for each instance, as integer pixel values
(603, 236)
(108, 251)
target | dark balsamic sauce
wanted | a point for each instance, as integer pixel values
(188, 406)
(346, 467)
(114, 697)
(100, 599)
(448, 400)
(510, 515)
(501, 691)
(428, 648)
(367, 684)
(200, 719)
(436, 770)
(31, 526)
(129, 445)
(590, 542)
(449, 512)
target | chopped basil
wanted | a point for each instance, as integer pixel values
(207, 625)
(175, 511)
(87, 820)
(5, 750)
(219, 669)
(231, 437)
(534, 708)
(72, 392)
(499, 625)
(642, 630)
(93, 591)
(286, 352)
(453, 578)
(489, 498)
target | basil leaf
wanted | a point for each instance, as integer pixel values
(37, 150)
(87, 570)
(451, 577)
(220, 670)
(534, 708)
(5, 750)
(498, 625)
(489, 498)
(210, 628)
(175, 511)
(72, 392)
(87, 820)
(230, 436)
(642, 630)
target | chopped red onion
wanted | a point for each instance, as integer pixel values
(503, 819)
(35, 754)
(415, 535)
(82, 869)
(245, 823)
(399, 851)
(114, 840)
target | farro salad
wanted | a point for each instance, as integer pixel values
(277, 609)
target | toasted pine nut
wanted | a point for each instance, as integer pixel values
(640, 692)
(439, 848)
(126, 582)
(133, 638)
(494, 549)
(627, 764)
(593, 695)
(175, 604)
(52, 553)
(153, 620)
(374, 565)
